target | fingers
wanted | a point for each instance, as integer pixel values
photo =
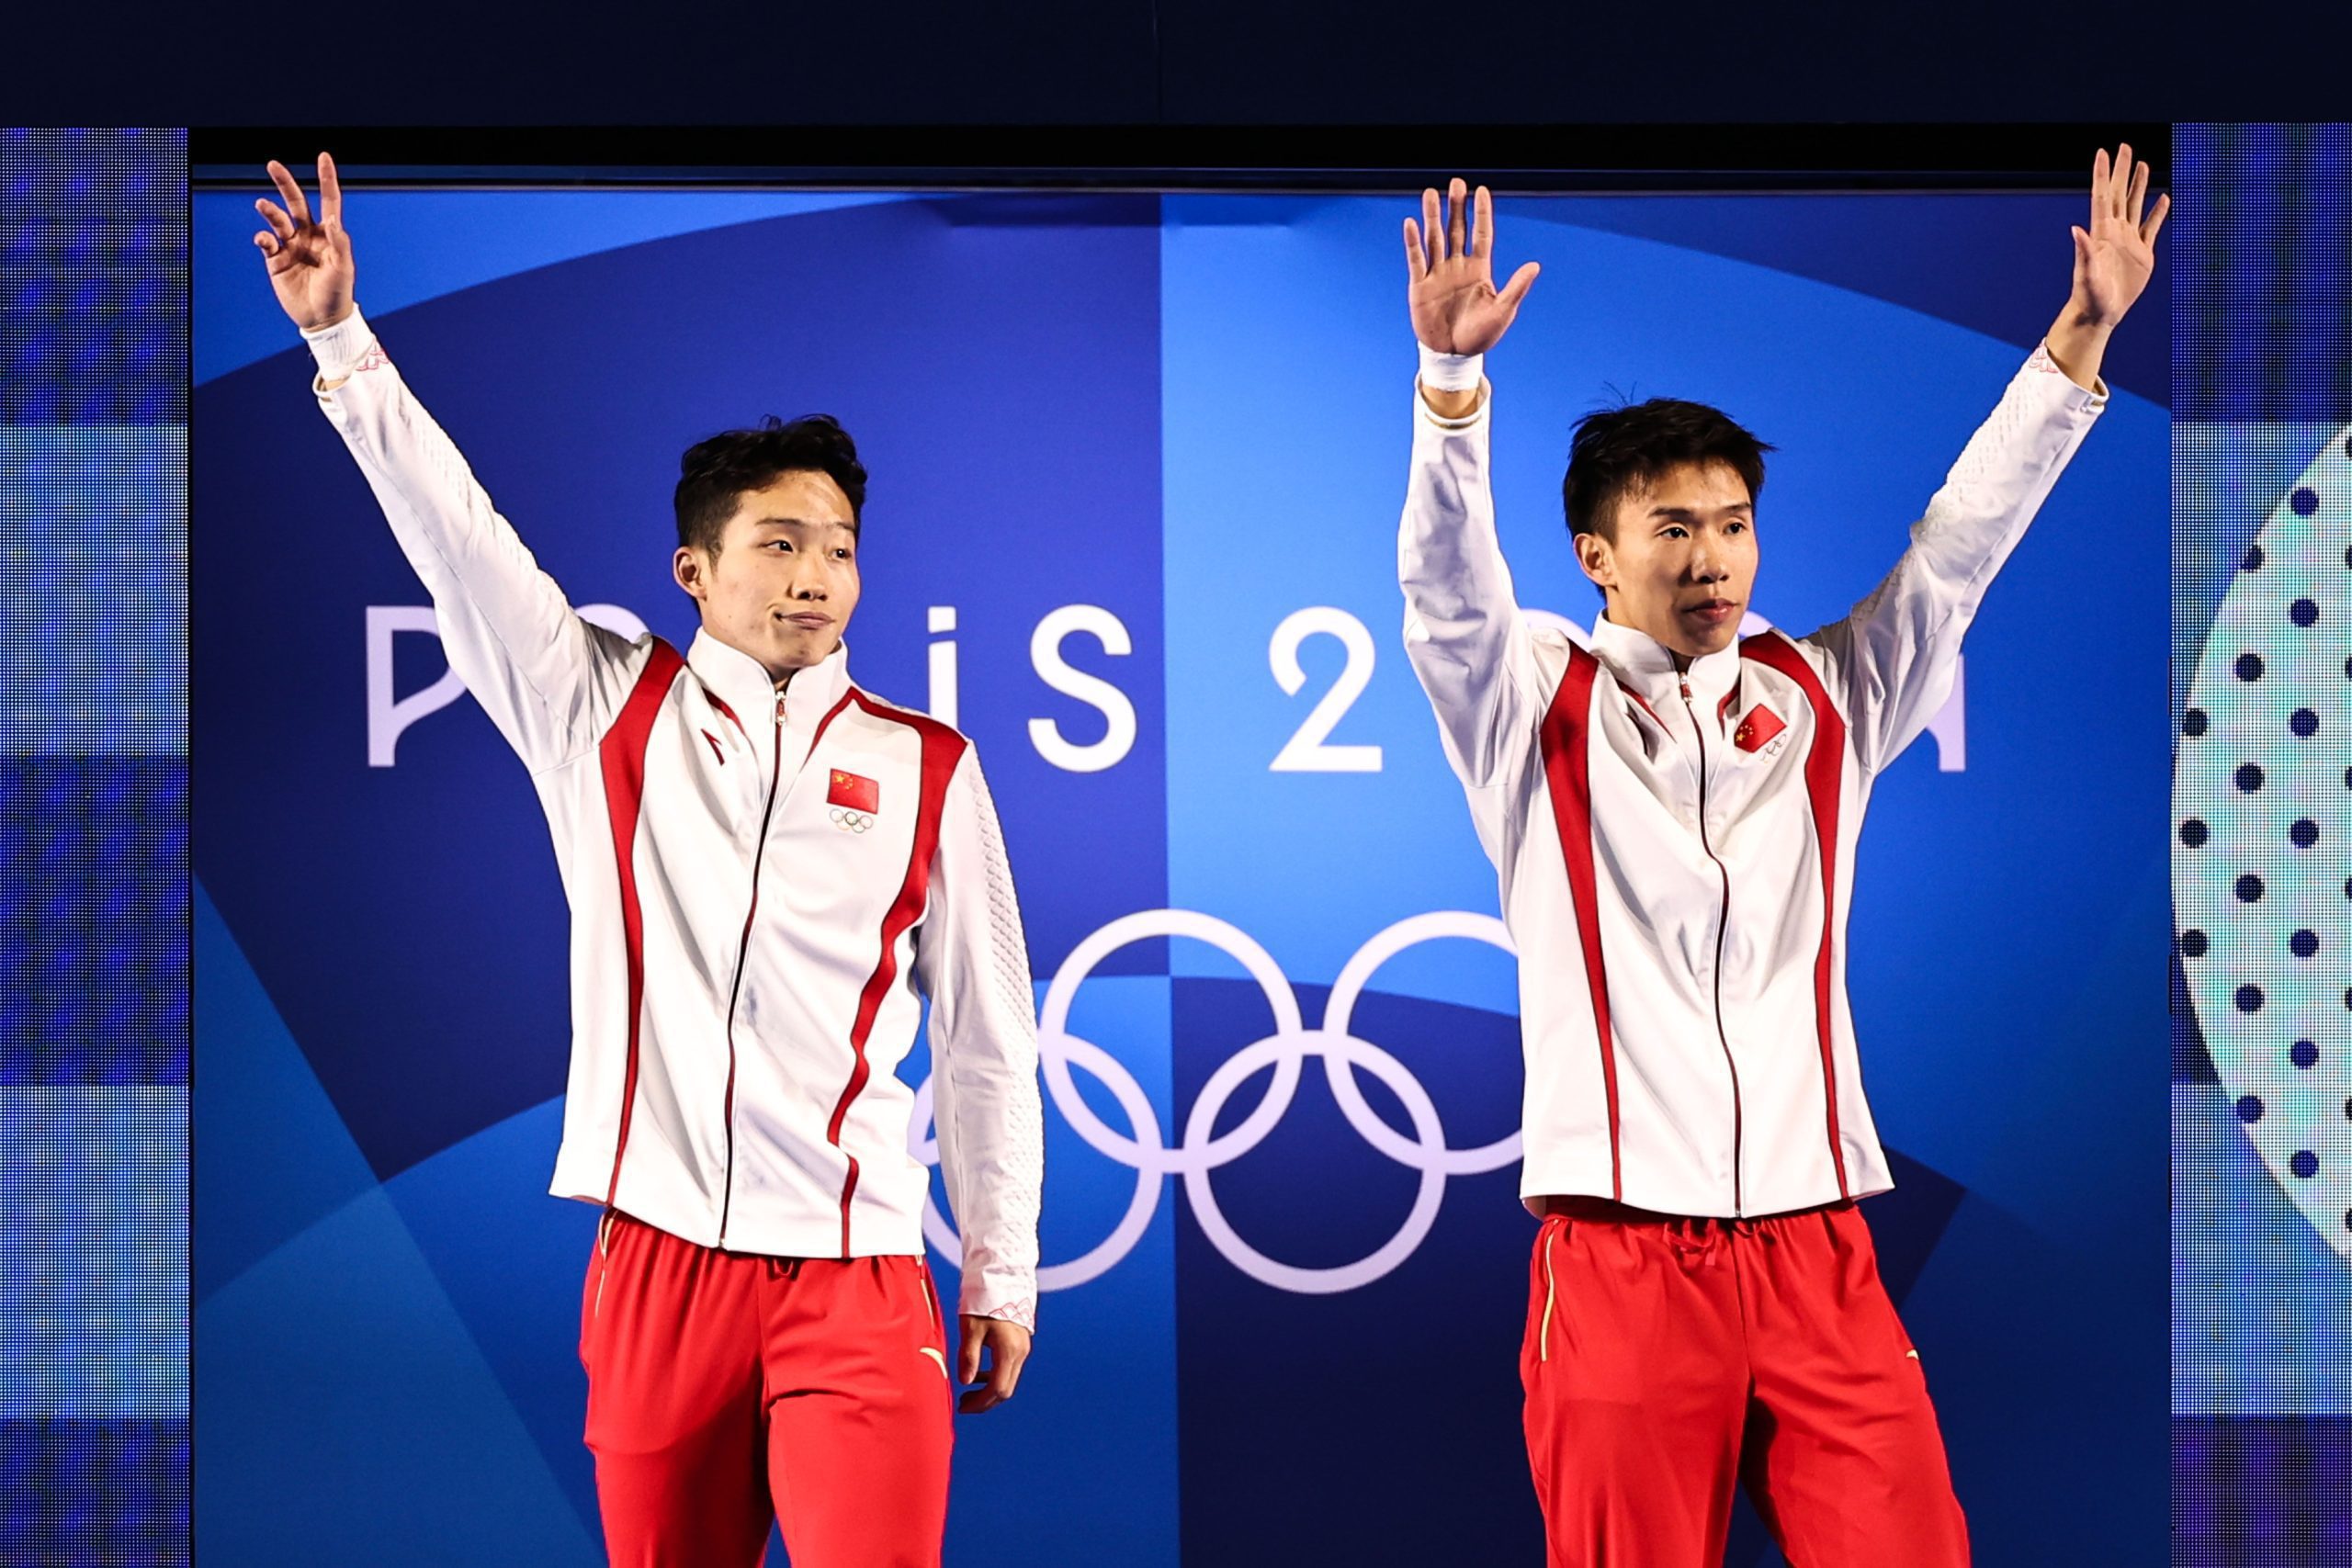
(279, 224)
(2119, 196)
(266, 243)
(1482, 237)
(1515, 289)
(1457, 224)
(1432, 226)
(1006, 1354)
(1004, 1371)
(290, 191)
(1008, 1349)
(330, 193)
(975, 1400)
(1417, 260)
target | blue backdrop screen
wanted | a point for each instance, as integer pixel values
(1138, 462)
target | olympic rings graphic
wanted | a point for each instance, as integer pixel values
(849, 821)
(1201, 1150)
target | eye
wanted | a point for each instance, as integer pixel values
(1674, 531)
(1735, 526)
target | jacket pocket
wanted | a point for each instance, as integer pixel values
(592, 1289)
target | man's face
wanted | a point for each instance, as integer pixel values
(783, 581)
(1683, 561)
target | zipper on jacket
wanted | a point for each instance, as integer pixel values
(1722, 924)
(742, 953)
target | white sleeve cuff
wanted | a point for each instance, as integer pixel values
(2082, 401)
(339, 349)
(977, 1303)
(1452, 372)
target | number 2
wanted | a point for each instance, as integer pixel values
(1307, 750)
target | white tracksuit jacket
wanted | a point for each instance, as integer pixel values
(747, 948)
(1677, 854)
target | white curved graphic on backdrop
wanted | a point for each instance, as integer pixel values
(2262, 818)
(1199, 1152)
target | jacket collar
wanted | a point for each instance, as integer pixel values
(1644, 665)
(742, 682)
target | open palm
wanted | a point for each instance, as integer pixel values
(1456, 308)
(309, 259)
(2114, 257)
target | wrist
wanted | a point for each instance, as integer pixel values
(2080, 317)
(339, 346)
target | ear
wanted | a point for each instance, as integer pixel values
(691, 567)
(1599, 560)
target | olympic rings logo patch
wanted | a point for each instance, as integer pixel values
(1200, 1152)
(851, 821)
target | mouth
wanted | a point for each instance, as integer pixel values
(1712, 612)
(808, 620)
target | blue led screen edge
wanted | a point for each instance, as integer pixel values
(93, 929)
(2262, 1061)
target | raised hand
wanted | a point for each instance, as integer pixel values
(2114, 257)
(1455, 306)
(309, 260)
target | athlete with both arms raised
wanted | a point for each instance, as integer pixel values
(767, 865)
(1673, 813)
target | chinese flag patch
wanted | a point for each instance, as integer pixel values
(1756, 727)
(855, 790)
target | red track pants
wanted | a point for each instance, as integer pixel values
(1666, 1360)
(725, 1389)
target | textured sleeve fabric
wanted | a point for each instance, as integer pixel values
(1463, 634)
(972, 961)
(551, 682)
(1891, 662)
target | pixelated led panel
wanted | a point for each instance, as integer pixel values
(2262, 863)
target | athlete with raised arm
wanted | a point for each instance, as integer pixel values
(768, 869)
(1673, 813)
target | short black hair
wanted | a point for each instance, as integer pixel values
(1616, 451)
(715, 474)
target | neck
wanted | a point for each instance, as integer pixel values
(780, 677)
(1609, 613)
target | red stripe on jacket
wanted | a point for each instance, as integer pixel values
(943, 747)
(1825, 762)
(1566, 738)
(623, 756)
